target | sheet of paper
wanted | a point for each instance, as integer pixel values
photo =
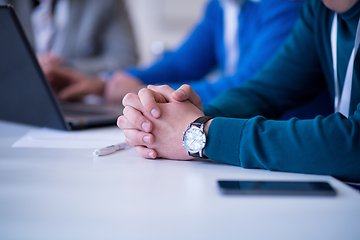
(50, 138)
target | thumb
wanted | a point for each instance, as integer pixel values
(185, 92)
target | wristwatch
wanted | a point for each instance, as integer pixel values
(194, 139)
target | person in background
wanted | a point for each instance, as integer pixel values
(236, 37)
(88, 36)
(321, 53)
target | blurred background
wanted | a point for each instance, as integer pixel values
(158, 23)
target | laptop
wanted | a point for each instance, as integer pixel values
(25, 94)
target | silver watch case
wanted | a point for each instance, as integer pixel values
(194, 139)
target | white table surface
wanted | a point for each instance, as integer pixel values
(70, 194)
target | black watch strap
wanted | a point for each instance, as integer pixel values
(199, 121)
(203, 119)
(197, 155)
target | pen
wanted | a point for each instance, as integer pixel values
(110, 149)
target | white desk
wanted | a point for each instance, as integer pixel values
(69, 194)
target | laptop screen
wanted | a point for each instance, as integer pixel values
(25, 95)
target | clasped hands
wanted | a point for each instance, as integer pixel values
(154, 120)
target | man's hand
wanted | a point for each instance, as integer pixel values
(136, 105)
(149, 97)
(68, 84)
(185, 92)
(119, 85)
(49, 59)
(165, 139)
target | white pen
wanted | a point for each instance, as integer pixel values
(110, 149)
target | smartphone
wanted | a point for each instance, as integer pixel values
(276, 188)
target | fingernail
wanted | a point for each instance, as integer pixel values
(179, 93)
(151, 155)
(146, 139)
(146, 126)
(155, 113)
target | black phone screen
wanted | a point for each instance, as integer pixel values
(276, 188)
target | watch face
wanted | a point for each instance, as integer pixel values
(194, 139)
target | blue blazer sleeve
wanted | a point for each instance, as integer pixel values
(277, 18)
(194, 59)
(272, 23)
